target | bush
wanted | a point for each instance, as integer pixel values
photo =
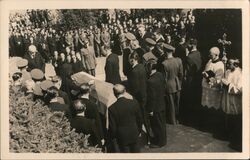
(34, 128)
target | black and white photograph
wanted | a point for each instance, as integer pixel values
(131, 80)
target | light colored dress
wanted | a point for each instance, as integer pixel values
(212, 90)
(232, 97)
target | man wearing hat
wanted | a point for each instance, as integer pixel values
(45, 86)
(88, 54)
(34, 58)
(127, 50)
(37, 76)
(22, 66)
(57, 82)
(173, 71)
(149, 55)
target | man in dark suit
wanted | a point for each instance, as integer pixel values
(173, 72)
(112, 68)
(91, 111)
(55, 105)
(193, 76)
(137, 87)
(142, 38)
(125, 121)
(84, 125)
(34, 58)
(155, 105)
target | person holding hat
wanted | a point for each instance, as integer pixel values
(34, 58)
(173, 72)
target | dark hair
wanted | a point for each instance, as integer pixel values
(16, 76)
(84, 88)
(79, 106)
(151, 65)
(51, 93)
(134, 55)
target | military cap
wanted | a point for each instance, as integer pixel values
(46, 84)
(150, 41)
(168, 47)
(37, 90)
(22, 63)
(149, 56)
(130, 36)
(37, 74)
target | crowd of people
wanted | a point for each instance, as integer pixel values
(160, 60)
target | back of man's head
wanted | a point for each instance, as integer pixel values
(79, 106)
(84, 89)
(118, 89)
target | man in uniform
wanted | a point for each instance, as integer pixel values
(149, 55)
(125, 121)
(173, 72)
(22, 66)
(88, 54)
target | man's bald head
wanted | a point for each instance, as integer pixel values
(118, 89)
(214, 53)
